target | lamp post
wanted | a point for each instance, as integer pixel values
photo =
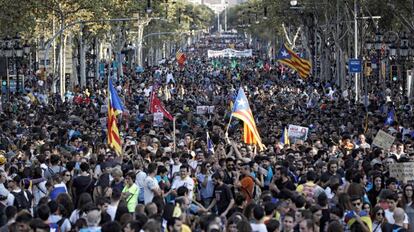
(7, 53)
(14, 52)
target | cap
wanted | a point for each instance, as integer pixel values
(152, 133)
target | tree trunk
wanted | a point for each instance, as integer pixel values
(97, 58)
(82, 64)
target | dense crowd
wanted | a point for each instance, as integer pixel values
(57, 173)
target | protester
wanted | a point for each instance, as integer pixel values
(185, 166)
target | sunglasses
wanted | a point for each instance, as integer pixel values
(380, 213)
(356, 204)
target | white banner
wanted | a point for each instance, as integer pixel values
(230, 53)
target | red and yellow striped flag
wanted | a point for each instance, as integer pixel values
(302, 66)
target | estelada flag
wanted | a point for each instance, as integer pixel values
(242, 111)
(115, 108)
(156, 106)
(290, 58)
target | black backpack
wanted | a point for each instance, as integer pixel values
(20, 200)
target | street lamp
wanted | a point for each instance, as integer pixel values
(293, 2)
(149, 9)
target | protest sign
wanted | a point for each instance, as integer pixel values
(383, 140)
(158, 119)
(205, 109)
(297, 132)
(402, 171)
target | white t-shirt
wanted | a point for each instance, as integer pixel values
(258, 227)
(390, 217)
(140, 179)
(147, 91)
(150, 184)
(186, 182)
(170, 77)
(111, 210)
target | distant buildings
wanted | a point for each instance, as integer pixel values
(217, 5)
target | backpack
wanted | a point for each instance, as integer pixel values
(20, 200)
(52, 173)
(257, 191)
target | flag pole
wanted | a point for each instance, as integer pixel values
(107, 117)
(207, 139)
(174, 139)
(227, 127)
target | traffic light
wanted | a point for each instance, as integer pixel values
(394, 72)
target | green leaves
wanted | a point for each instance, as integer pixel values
(36, 18)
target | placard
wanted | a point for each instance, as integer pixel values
(205, 110)
(297, 132)
(158, 119)
(402, 171)
(383, 140)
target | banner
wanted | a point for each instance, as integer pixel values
(402, 171)
(230, 53)
(383, 140)
(297, 132)
(205, 109)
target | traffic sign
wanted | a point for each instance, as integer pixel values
(355, 65)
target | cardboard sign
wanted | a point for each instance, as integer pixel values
(383, 140)
(297, 132)
(402, 171)
(205, 109)
(158, 119)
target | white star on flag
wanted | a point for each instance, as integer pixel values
(241, 103)
(389, 120)
(284, 53)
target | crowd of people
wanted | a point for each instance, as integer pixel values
(58, 174)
